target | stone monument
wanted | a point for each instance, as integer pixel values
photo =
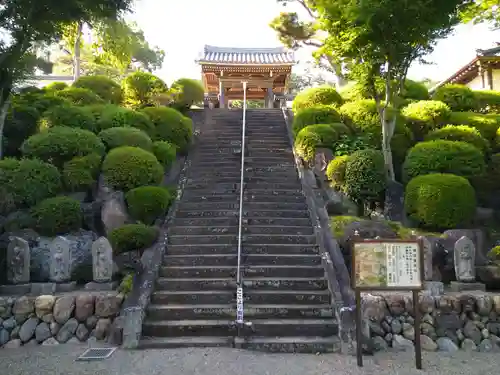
(434, 288)
(60, 260)
(102, 265)
(18, 267)
(464, 255)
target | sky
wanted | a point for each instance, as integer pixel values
(181, 28)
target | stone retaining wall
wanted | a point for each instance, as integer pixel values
(53, 320)
(468, 321)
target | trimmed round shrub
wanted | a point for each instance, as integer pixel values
(81, 173)
(440, 156)
(114, 116)
(132, 237)
(335, 171)
(79, 96)
(188, 92)
(61, 144)
(459, 98)
(487, 125)
(29, 181)
(96, 111)
(71, 116)
(488, 101)
(460, 133)
(315, 96)
(341, 128)
(312, 137)
(365, 177)
(58, 215)
(107, 89)
(56, 86)
(117, 137)
(487, 185)
(21, 123)
(148, 203)
(440, 201)
(426, 115)
(45, 101)
(314, 115)
(415, 90)
(171, 126)
(126, 168)
(141, 88)
(165, 152)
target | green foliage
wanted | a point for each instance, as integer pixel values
(440, 201)
(58, 215)
(414, 90)
(148, 203)
(81, 173)
(487, 185)
(171, 126)
(312, 137)
(460, 133)
(165, 152)
(335, 171)
(365, 177)
(459, 98)
(316, 96)
(107, 89)
(188, 92)
(29, 181)
(338, 224)
(79, 96)
(440, 156)
(21, 122)
(126, 284)
(488, 101)
(348, 144)
(61, 144)
(314, 115)
(141, 88)
(126, 168)
(117, 137)
(132, 237)
(426, 115)
(70, 116)
(45, 101)
(56, 86)
(487, 125)
(114, 116)
(494, 254)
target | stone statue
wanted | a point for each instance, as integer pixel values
(102, 260)
(18, 261)
(60, 260)
(427, 253)
(464, 256)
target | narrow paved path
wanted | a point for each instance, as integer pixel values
(61, 361)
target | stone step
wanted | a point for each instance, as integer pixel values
(248, 178)
(228, 239)
(184, 249)
(301, 344)
(247, 239)
(228, 311)
(193, 328)
(202, 174)
(209, 161)
(235, 212)
(246, 229)
(276, 229)
(209, 297)
(233, 221)
(234, 189)
(248, 206)
(228, 271)
(187, 214)
(247, 197)
(185, 342)
(246, 259)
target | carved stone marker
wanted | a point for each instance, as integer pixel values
(464, 256)
(114, 211)
(102, 260)
(60, 260)
(18, 261)
(427, 251)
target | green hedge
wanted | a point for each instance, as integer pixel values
(114, 116)
(488, 101)
(415, 90)
(459, 98)
(71, 116)
(315, 115)
(487, 185)
(104, 87)
(188, 92)
(21, 123)
(117, 137)
(126, 168)
(442, 156)
(80, 173)
(426, 115)
(141, 88)
(56, 86)
(45, 101)
(58, 215)
(165, 152)
(312, 137)
(132, 237)
(462, 133)
(487, 125)
(61, 144)
(79, 96)
(335, 171)
(148, 203)
(316, 96)
(440, 201)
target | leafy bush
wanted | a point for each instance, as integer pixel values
(412, 90)
(126, 168)
(488, 101)
(117, 137)
(460, 133)
(132, 237)
(348, 144)
(165, 152)
(71, 116)
(61, 144)
(312, 137)
(29, 181)
(81, 172)
(114, 116)
(45, 101)
(314, 115)
(494, 254)
(487, 185)
(487, 125)
(316, 96)
(148, 203)
(415, 90)
(56, 86)
(426, 115)
(187, 92)
(140, 89)
(335, 171)
(107, 89)
(171, 126)
(457, 97)
(58, 215)
(365, 178)
(442, 156)
(21, 123)
(79, 96)
(440, 201)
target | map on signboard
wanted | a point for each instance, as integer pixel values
(387, 265)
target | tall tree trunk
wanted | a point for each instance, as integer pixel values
(387, 128)
(77, 53)
(3, 116)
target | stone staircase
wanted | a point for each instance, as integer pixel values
(287, 300)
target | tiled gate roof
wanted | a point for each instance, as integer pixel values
(247, 56)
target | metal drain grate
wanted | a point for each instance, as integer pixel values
(96, 354)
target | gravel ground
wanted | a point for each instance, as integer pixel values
(61, 361)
